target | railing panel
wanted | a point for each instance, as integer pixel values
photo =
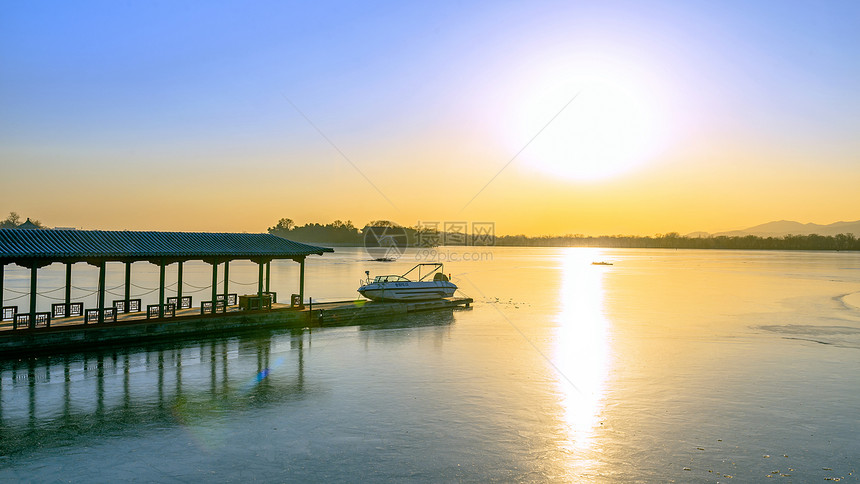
(63, 310)
(40, 320)
(127, 305)
(153, 311)
(121, 305)
(58, 310)
(181, 303)
(9, 313)
(43, 320)
(76, 309)
(220, 306)
(92, 315)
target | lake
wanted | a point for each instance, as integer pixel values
(668, 365)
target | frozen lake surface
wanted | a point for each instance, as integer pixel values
(669, 365)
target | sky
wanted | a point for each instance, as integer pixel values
(542, 117)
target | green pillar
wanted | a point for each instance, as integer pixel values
(302, 282)
(2, 266)
(179, 283)
(214, 283)
(102, 269)
(268, 274)
(68, 287)
(33, 270)
(260, 283)
(127, 286)
(161, 289)
(226, 280)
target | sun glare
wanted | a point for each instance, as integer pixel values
(607, 128)
(582, 348)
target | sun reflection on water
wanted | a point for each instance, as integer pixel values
(581, 350)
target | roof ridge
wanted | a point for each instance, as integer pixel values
(142, 245)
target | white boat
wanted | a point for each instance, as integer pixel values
(430, 283)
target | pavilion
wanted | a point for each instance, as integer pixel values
(36, 248)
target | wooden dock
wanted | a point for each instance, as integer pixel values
(71, 334)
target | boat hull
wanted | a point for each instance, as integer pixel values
(408, 291)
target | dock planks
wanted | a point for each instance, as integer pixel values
(70, 333)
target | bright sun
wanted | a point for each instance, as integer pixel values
(606, 130)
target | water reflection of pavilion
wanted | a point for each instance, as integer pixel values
(57, 401)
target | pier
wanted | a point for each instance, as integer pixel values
(71, 326)
(136, 328)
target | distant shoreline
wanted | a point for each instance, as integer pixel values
(345, 234)
(841, 242)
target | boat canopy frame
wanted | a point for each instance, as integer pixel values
(422, 274)
(436, 267)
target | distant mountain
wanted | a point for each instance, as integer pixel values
(786, 227)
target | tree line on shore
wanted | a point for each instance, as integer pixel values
(676, 241)
(336, 233)
(345, 233)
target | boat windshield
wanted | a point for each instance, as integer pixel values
(390, 279)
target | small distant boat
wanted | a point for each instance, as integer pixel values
(430, 283)
(601, 263)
